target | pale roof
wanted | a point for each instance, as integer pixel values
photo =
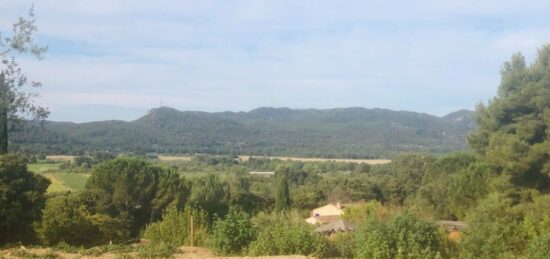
(336, 226)
(327, 210)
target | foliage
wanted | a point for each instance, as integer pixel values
(208, 194)
(285, 238)
(233, 233)
(174, 228)
(15, 100)
(513, 128)
(162, 250)
(502, 226)
(539, 248)
(407, 171)
(404, 236)
(71, 219)
(282, 200)
(137, 190)
(21, 199)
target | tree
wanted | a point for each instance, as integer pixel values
(282, 200)
(233, 233)
(512, 136)
(71, 219)
(404, 236)
(21, 199)
(15, 100)
(175, 226)
(135, 189)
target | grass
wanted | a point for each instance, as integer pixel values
(61, 181)
(43, 167)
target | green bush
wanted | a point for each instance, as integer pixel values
(174, 227)
(160, 250)
(21, 199)
(539, 248)
(344, 245)
(285, 236)
(233, 233)
(404, 236)
(67, 219)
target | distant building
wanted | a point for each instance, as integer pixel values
(326, 214)
(454, 228)
(335, 227)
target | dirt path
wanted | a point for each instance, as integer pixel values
(186, 252)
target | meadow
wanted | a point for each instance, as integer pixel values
(60, 181)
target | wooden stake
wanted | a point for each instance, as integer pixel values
(192, 231)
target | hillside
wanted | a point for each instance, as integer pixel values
(345, 132)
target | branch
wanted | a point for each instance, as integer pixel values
(5, 52)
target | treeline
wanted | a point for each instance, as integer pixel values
(335, 133)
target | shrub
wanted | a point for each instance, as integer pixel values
(174, 227)
(539, 248)
(233, 233)
(404, 236)
(285, 236)
(21, 199)
(67, 219)
(160, 250)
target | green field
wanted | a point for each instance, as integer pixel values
(61, 181)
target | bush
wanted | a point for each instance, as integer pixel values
(404, 236)
(21, 199)
(344, 245)
(539, 248)
(161, 250)
(233, 233)
(173, 229)
(281, 234)
(67, 219)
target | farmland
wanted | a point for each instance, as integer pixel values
(60, 181)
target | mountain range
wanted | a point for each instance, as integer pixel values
(341, 132)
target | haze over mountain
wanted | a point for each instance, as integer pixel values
(341, 132)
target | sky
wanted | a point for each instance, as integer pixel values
(116, 59)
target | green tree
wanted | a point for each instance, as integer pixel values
(174, 228)
(282, 200)
(208, 193)
(233, 233)
(135, 189)
(21, 199)
(404, 236)
(513, 129)
(405, 177)
(14, 98)
(71, 219)
(280, 235)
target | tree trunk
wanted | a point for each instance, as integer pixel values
(3, 119)
(3, 131)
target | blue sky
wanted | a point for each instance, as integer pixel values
(113, 59)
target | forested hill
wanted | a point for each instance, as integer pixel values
(346, 132)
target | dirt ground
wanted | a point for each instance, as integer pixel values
(186, 252)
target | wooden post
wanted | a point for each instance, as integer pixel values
(192, 231)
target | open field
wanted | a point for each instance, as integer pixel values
(306, 159)
(174, 158)
(302, 159)
(61, 181)
(42, 167)
(60, 158)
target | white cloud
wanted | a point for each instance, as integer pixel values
(431, 56)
